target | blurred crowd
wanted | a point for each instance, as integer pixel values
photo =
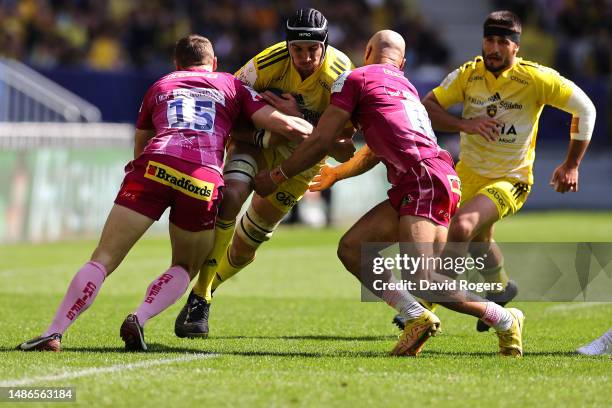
(572, 35)
(119, 34)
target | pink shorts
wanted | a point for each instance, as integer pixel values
(431, 189)
(154, 182)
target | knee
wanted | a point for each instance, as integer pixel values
(240, 255)
(234, 196)
(348, 253)
(462, 229)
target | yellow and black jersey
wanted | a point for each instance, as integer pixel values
(516, 99)
(273, 68)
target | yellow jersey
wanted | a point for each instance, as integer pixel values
(515, 99)
(273, 68)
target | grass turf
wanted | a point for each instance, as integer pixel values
(290, 331)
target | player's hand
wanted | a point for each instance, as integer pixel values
(565, 178)
(485, 127)
(343, 149)
(286, 103)
(264, 185)
(326, 178)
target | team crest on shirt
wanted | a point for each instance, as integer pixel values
(455, 184)
(492, 110)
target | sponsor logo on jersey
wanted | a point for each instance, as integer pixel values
(325, 85)
(519, 80)
(510, 105)
(475, 101)
(286, 198)
(492, 110)
(193, 187)
(494, 98)
(498, 197)
(504, 129)
(476, 78)
(192, 93)
(393, 73)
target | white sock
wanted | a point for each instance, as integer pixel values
(402, 301)
(497, 317)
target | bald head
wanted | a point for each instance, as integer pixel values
(386, 47)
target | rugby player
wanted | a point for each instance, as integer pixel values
(180, 138)
(503, 96)
(424, 195)
(302, 68)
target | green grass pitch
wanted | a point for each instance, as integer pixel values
(290, 331)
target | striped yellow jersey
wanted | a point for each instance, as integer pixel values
(515, 99)
(273, 68)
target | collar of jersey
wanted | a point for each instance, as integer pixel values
(506, 73)
(196, 69)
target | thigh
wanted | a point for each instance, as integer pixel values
(122, 229)
(189, 248)
(380, 224)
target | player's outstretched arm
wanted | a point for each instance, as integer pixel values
(141, 138)
(363, 160)
(565, 177)
(293, 128)
(443, 121)
(309, 153)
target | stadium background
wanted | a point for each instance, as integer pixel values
(59, 181)
(290, 330)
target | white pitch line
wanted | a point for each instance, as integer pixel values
(110, 369)
(574, 306)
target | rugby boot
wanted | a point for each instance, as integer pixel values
(400, 321)
(192, 320)
(52, 342)
(416, 332)
(132, 334)
(511, 340)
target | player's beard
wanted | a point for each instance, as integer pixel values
(505, 63)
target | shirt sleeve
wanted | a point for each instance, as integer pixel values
(250, 100)
(345, 91)
(248, 74)
(145, 114)
(553, 88)
(451, 90)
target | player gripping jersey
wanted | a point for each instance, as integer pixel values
(274, 69)
(425, 192)
(182, 127)
(303, 69)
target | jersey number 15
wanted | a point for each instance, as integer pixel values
(191, 113)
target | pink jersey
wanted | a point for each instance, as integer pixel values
(387, 108)
(193, 111)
